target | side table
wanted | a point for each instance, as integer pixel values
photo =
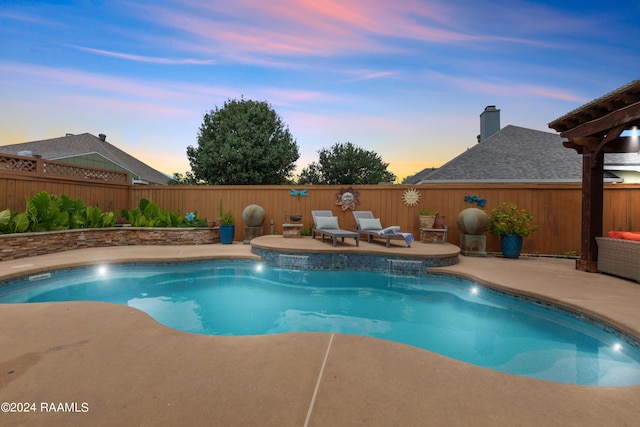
(292, 230)
(434, 235)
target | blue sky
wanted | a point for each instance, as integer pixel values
(405, 78)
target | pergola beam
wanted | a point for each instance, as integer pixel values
(602, 125)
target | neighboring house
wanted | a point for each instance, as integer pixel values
(89, 151)
(626, 166)
(517, 154)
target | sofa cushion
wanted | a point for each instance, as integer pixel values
(625, 235)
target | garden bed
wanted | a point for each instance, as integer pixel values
(22, 245)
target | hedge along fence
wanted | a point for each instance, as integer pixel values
(556, 208)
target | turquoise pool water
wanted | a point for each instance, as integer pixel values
(446, 315)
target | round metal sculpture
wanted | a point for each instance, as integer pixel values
(347, 198)
(253, 215)
(473, 221)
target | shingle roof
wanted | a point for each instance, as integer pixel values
(513, 154)
(85, 143)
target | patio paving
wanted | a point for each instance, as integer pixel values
(130, 370)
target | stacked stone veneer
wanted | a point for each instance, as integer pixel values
(353, 261)
(22, 245)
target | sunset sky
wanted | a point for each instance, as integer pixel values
(407, 79)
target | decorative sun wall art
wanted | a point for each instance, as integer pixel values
(347, 198)
(411, 197)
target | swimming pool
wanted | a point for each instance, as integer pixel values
(443, 314)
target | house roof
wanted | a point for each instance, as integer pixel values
(513, 154)
(76, 145)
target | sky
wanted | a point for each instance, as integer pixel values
(407, 79)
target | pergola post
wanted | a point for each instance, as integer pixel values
(592, 208)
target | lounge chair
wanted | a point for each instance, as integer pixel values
(325, 224)
(371, 226)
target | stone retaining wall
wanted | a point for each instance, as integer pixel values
(13, 246)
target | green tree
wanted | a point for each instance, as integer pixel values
(244, 142)
(345, 163)
(186, 179)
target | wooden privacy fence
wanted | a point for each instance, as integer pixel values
(14, 189)
(555, 207)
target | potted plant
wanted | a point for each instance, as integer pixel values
(511, 224)
(427, 218)
(227, 226)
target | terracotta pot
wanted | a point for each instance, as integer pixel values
(427, 221)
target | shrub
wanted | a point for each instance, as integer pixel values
(508, 219)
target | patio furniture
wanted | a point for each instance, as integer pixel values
(325, 224)
(371, 226)
(619, 257)
(434, 235)
(292, 230)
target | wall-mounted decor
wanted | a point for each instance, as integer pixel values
(411, 197)
(348, 198)
(299, 193)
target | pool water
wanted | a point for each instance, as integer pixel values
(443, 314)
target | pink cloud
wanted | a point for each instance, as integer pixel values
(550, 92)
(153, 97)
(303, 27)
(98, 82)
(505, 88)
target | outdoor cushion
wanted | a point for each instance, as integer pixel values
(370, 224)
(327, 223)
(625, 235)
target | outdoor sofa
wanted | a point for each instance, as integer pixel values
(619, 254)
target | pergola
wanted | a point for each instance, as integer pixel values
(605, 125)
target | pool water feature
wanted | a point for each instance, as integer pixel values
(447, 315)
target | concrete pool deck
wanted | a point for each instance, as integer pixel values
(114, 365)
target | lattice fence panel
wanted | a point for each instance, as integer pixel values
(85, 173)
(18, 164)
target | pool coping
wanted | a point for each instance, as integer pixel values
(132, 370)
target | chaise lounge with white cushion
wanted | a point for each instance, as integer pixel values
(372, 227)
(325, 224)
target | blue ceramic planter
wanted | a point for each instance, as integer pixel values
(226, 234)
(511, 245)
